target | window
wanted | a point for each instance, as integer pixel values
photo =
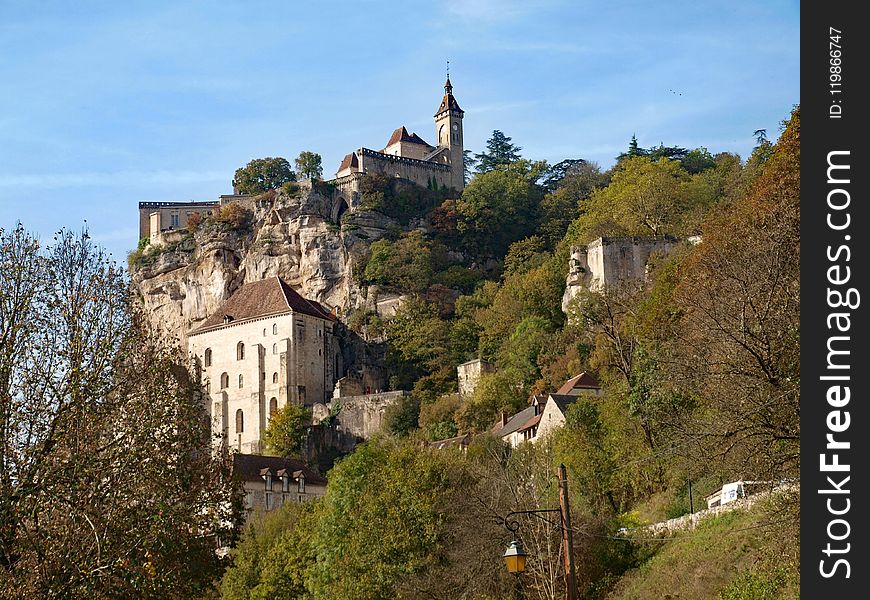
(264, 332)
(301, 483)
(274, 348)
(240, 351)
(269, 501)
(273, 407)
(240, 421)
(173, 220)
(207, 358)
(274, 329)
(241, 381)
(225, 381)
(275, 377)
(208, 387)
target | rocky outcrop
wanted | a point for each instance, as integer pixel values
(290, 236)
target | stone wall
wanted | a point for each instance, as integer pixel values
(469, 374)
(363, 416)
(677, 524)
(611, 261)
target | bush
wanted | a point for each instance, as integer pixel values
(193, 222)
(232, 216)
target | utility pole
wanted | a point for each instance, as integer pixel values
(567, 534)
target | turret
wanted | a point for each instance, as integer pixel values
(448, 131)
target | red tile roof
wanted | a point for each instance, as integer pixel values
(251, 467)
(271, 296)
(349, 161)
(583, 381)
(401, 135)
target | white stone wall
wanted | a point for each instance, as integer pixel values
(286, 359)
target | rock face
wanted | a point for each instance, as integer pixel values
(288, 236)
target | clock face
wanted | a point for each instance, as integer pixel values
(456, 127)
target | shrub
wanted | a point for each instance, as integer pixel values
(193, 222)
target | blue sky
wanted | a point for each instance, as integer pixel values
(106, 104)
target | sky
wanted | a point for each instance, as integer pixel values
(107, 104)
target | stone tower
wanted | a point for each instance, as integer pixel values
(448, 129)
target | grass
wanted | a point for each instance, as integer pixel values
(740, 555)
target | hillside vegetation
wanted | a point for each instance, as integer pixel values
(699, 364)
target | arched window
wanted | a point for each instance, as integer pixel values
(208, 357)
(225, 381)
(275, 377)
(273, 407)
(240, 421)
(274, 329)
(274, 348)
(240, 351)
(264, 332)
(208, 387)
(241, 381)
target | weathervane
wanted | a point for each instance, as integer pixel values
(448, 68)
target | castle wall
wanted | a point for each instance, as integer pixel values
(614, 260)
(286, 359)
(418, 171)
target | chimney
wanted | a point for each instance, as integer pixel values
(504, 418)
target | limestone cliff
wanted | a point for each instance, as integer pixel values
(188, 276)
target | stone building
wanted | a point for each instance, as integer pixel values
(469, 374)
(268, 482)
(407, 156)
(265, 347)
(610, 261)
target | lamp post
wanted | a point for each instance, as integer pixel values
(515, 555)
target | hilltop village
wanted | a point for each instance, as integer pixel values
(482, 316)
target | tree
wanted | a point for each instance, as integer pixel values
(263, 174)
(286, 431)
(108, 486)
(740, 336)
(499, 152)
(309, 165)
(468, 162)
(405, 263)
(497, 208)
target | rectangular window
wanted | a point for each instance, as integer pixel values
(269, 501)
(173, 220)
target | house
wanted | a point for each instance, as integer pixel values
(270, 481)
(545, 413)
(265, 347)
(461, 442)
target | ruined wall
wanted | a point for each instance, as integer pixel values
(610, 261)
(363, 416)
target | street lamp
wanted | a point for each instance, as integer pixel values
(515, 555)
(515, 558)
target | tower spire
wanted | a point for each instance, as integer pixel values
(448, 87)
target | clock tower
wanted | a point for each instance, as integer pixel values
(448, 129)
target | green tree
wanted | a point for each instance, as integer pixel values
(263, 174)
(500, 151)
(406, 263)
(286, 430)
(309, 165)
(383, 517)
(497, 208)
(134, 499)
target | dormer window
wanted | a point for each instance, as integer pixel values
(227, 319)
(301, 480)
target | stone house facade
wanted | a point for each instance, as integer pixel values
(268, 482)
(265, 347)
(469, 374)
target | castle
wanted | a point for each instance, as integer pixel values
(407, 156)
